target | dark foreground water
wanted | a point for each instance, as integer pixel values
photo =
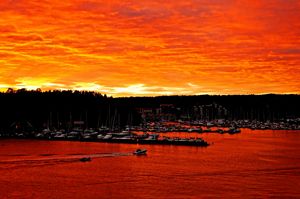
(253, 164)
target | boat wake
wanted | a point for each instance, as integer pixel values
(52, 159)
(102, 155)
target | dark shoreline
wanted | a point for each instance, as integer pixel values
(27, 111)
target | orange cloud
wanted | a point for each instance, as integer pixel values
(155, 47)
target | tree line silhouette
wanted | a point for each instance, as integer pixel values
(28, 110)
(35, 110)
(272, 107)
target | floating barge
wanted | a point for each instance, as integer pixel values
(179, 142)
(189, 142)
(121, 137)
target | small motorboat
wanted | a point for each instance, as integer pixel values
(140, 152)
(85, 159)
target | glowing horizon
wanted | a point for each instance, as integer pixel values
(150, 48)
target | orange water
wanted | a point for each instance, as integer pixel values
(252, 164)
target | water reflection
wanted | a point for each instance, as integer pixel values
(250, 164)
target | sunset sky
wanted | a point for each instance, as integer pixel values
(151, 47)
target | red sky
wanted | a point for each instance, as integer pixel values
(151, 47)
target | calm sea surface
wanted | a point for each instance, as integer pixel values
(253, 164)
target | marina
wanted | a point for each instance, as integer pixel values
(154, 133)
